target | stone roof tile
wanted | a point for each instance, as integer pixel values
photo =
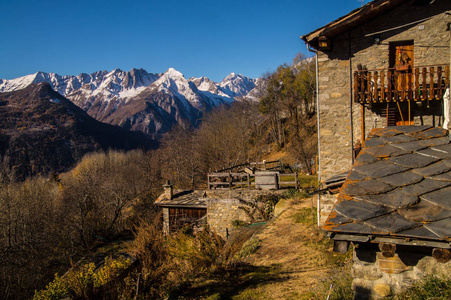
(413, 160)
(386, 151)
(434, 169)
(441, 228)
(425, 211)
(360, 210)
(395, 199)
(365, 187)
(380, 168)
(411, 146)
(441, 197)
(405, 193)
(402, 179)
(391, 223)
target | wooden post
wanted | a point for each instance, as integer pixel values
(208, 181)
(388, 250)
(375, 90)
(276, 181)
(382, 86)
(417, 84)
(230, 181)
(341, 246)
(248, 181)
(356, 87)
(441, 255)
(362, 110)
(424, 90)
(296, 180)
(439, 83)
(389, 83)
(431, 83)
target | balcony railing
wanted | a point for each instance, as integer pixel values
(407, 84)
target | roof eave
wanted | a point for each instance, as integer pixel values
(418, 242)
(351, 20)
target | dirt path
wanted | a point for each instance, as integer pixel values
(296, 252)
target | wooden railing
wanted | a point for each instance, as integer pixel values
(417, 84)
(244, 180)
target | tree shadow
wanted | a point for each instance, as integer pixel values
(229, 281)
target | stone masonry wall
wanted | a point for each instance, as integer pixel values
(377, 277)
(223, 207)
(221, 213)
(340, 117)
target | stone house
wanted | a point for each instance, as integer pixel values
(384, 64)
(218, 208)
(383, 113)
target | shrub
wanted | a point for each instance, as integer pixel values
(430, 287)
(249, 247)
(238, 223)
(81, 281)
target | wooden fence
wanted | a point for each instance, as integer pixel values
(244, 180)
(261, 166)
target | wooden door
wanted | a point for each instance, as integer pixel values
(402, 62)
(402, 55)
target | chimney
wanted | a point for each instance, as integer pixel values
(168, 190)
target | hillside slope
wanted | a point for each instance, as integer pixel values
(294, 260)
(43, 132)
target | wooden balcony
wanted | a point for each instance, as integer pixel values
(407, 84)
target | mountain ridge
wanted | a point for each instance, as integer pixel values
(165, 98)
(41, 132)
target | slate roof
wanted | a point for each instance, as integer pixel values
(399, 187)
(192, 199)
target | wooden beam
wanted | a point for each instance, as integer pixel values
(341, 246)
(388, 250)
(362, 110)
(441, 255)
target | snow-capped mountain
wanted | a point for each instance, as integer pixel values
(139, 100)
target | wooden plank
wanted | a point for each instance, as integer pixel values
(356, 87)
(382, 85)
(409, 85)
(425, 91)
(446, 76)
(403, 86)
(439, 83)
(390, 81)
(375, 89)
(431, 84)
(417, 83)
(368, 81)
(362, 87)
(396, 88)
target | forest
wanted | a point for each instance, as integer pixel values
(49, 223)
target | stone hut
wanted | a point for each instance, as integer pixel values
(384, 64)
(395, 207)
(217, 208)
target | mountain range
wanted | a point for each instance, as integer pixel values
(140, 101)
(42, 132)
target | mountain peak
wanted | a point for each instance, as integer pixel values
(171, 72)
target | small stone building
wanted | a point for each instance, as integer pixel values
(384, 64)
(395, 207)
(217, 208)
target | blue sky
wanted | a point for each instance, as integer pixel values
(197, 37)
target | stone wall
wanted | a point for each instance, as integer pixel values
(221, 213)
(223, 207)
(377, 277)
(340, 117)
